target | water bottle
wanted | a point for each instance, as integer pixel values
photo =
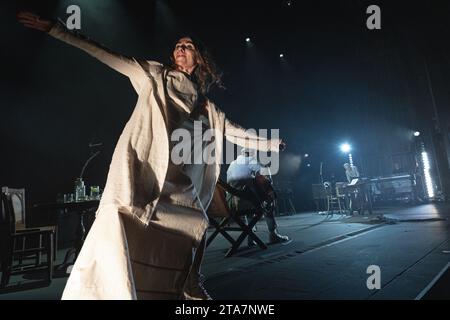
(80, 190)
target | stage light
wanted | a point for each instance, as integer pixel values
(346, 148)
(416, 133)
(308, 165)
(306, 155)
(281, 55)
(427, 175)
(247, 40)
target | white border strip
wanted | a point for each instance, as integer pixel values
(433, 282)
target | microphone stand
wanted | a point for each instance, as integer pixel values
(322, 186)
(321, 173)
(87, 162)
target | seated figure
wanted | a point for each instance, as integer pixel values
(244, 174)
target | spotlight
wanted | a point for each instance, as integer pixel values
(281, 55)
(308, 165)
(306, 155)
(416, 133)
(346, 148)
(247, 40)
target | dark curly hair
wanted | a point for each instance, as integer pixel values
(206, 74)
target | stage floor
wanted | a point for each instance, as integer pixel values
(327, 258)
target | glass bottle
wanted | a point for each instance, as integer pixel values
(80, 190)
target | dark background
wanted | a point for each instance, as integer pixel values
(338, 82)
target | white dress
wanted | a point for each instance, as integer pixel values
(178, 226)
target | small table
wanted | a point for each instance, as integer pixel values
(82, 208)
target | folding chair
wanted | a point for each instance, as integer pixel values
(220, 210)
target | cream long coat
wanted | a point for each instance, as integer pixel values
(138, 169)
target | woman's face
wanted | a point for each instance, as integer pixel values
(185, 55)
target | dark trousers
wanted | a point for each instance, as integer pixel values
(250, 189)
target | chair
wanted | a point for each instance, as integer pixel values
(319, 197)
(22, 222)
(18, 200)
(342, 195)
(11, 237)
(285, 194)
(220, 210)
(333, 199)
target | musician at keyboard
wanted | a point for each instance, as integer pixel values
(358, 191)
(351, 171)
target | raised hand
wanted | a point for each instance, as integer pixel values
(31, 20)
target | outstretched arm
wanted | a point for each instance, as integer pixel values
(125, 65)
(238, 135)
